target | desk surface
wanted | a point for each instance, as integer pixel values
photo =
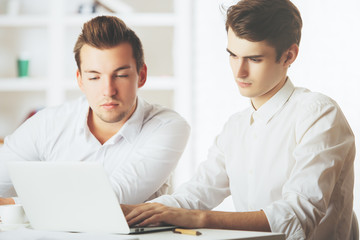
(213, 234)
(208, 234)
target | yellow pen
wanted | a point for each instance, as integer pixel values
(187, 231)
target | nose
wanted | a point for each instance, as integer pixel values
(108, 86)
(242, 69)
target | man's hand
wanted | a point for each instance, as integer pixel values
(6, 201)
(127, 208)
(157, 214)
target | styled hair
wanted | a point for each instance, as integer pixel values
(278, 22)
(105, 32)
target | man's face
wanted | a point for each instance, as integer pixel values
(110, 81)
(255, 69)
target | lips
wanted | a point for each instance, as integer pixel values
(110, 105)
(243, 84)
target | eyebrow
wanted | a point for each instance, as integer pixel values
(250, 56)
(116, 70)
(230, 51)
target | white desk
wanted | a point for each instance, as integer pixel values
(208, 234)
(212, 234)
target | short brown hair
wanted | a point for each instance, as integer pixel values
(106, 32)
(278, 22)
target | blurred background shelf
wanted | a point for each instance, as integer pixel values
(23, 21)
(22, 84)
(132, 19)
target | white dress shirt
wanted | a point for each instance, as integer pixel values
(292, 158)
(139, 159)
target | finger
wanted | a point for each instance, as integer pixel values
(127, 208)
(134, 213)
(152, 224)
(140, 209)
(155, 220)
(172, 216)
(142, 216)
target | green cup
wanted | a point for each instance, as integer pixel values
(23, 65)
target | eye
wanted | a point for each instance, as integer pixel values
(255, 60)
(121, 76)
(93, 78)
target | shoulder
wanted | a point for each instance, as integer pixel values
(163, 125)
(66, 109)
(308, 98)
(162, 115)
(62, 116)
(312, 110)
(307, 102)
(74, 105)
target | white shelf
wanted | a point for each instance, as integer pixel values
(23, 21)
(132, 19)
(23, 84)
(160, 83)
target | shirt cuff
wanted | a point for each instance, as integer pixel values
(166, 200)
(282, 220)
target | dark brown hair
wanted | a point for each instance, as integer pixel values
(278, 22)
(106, 32)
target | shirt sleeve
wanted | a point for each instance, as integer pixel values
(6, 188)
(22, 145)
(151, 163)
(324, 156)
(208, 188)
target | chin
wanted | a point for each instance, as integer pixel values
(244, 93)
(113, 119)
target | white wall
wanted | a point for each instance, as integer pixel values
(328, 62)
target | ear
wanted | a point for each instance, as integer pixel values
(142, 76)
(79, 80)
(291, 55)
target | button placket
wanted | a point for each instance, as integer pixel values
(101, 154)
(255, 134)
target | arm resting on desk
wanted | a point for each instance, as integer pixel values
(155, 213)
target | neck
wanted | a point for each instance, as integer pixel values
(103, 131)
(257, 102)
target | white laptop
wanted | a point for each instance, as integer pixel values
(70, 196)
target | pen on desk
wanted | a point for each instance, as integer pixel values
(187, 231)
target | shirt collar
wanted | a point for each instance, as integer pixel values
(133, 125)
(129, 130)
(83, 115)
(274, 104)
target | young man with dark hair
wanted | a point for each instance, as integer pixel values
(287, 160)
(138, 143)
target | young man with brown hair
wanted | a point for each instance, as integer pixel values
(287, 160)
(138, 143)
